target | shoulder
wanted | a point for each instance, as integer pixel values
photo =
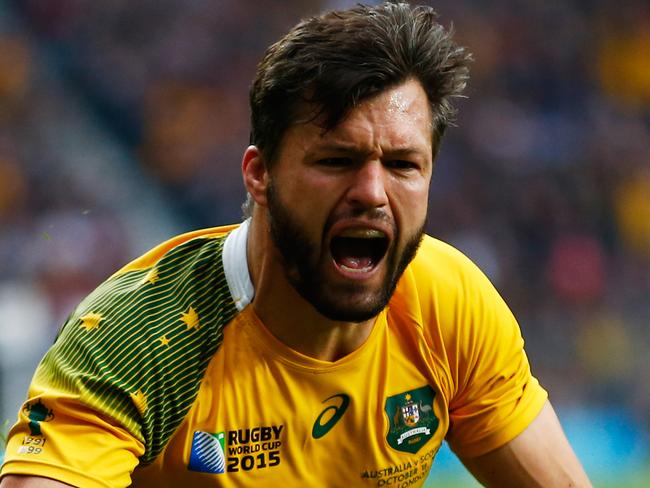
(184, 243)
(450, 296)
(442, 275)
(137, 347)
(438, 259)
(183, 273)
(177, 292)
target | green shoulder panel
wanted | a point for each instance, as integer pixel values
(136, 349)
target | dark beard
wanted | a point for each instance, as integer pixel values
(302, 271)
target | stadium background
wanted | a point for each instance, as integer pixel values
(122, 123)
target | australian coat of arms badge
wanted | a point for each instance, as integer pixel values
(411, 419)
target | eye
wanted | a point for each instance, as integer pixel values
(401, 164)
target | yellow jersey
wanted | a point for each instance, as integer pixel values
(164, 376)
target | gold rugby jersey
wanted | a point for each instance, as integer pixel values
(164, 376)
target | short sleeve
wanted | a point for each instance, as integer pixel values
(57, 437)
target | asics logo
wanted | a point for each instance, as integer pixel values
(330, 416)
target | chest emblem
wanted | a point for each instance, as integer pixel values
(411, 421)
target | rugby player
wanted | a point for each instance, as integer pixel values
(326, 341)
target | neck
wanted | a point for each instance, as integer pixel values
(286, 314)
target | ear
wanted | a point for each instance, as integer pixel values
(255, 175)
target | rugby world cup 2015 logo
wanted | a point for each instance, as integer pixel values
(411, 421)
(207, 454)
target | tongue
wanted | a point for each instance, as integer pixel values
(354, 262)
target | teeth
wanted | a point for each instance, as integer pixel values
(363, 233)
(356, 270)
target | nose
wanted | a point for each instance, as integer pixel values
(367, 187)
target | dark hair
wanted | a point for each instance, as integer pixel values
(335, 60)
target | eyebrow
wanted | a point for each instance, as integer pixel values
(347, 149)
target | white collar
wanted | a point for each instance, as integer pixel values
(235, 266)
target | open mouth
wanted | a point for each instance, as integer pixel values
(359, 250)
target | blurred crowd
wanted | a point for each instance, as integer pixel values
(110, 107)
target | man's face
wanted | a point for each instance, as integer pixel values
(347, 207)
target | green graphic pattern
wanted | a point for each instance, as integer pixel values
(104, 366)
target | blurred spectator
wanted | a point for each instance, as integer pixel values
(632, 201)
(13, 189)
(606, 353)
(624, 54)
(577, 268)
(15, 72)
